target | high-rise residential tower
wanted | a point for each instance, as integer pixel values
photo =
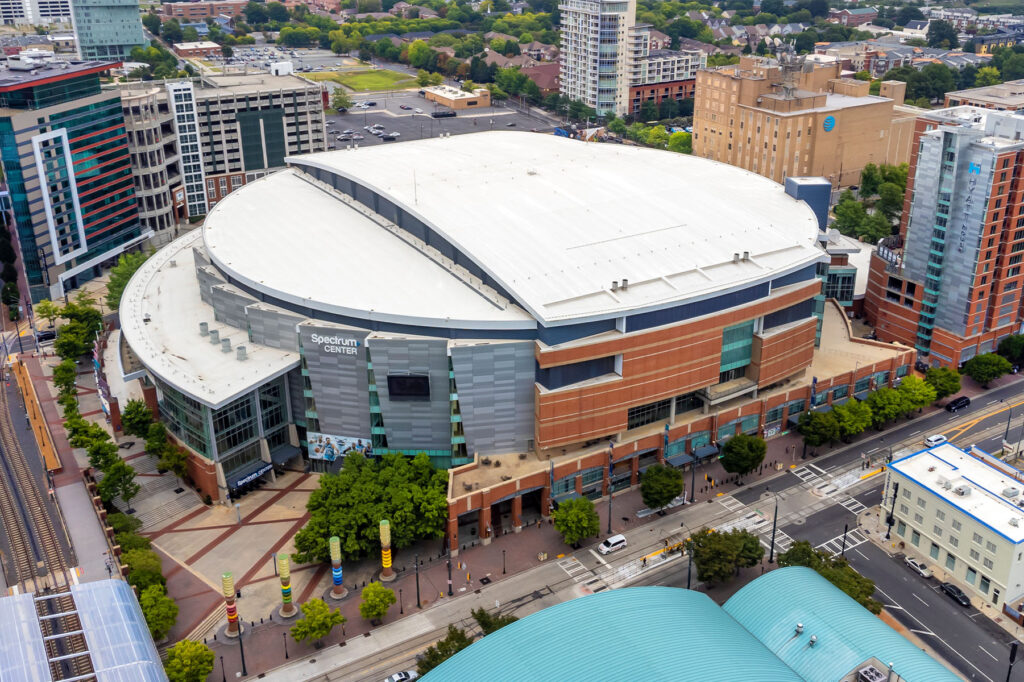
(597, 40)
(107, 29)
(949, 283)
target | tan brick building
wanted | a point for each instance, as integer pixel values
(800, 118)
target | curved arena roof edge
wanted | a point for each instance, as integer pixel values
(547, 222)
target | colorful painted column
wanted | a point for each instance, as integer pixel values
(338, 591)
(387, 575)
(284, 569)
(227, 582)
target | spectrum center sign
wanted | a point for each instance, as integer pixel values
(341, 345)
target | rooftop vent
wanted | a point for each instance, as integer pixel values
(615, 285)
(204, 329)
(870, 673)
(1015, 522)
(146, 318)
(735, 258)
(814, 640)
(799, 628)
(625, 283)
(240, 353)
(962, 490)
(214, 336)
(172, 263)
(746, 255)
(1010, 492)
(225, 345)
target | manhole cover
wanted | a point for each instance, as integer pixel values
(485, 581)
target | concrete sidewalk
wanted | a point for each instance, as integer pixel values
(87, 536)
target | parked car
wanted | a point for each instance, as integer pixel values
(443, 114)
(387, 138)
(44, 336)
(349, 131)
(395, 134)
(404, 107)
(956, 594)
(417, 110)
(918, 567)
(371, 104)
(612, 544)
(937, 439)
(405, 676)
(958, 403)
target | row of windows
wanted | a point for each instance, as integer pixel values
(971, 574)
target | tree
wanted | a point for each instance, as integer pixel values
(719, 556)
(72, 341)
(160, 611)
(908, 13)
(818, 428)
(886, 404)
(870, 179)
(850, 215)
(945, 381)
(489, 623)
(377, 599)
(129, 541)
(986, 367)
(102, 455)
(834, 569)
(171, 31)
(660, 485)
(276, 11)
(318, 619)
(189, 661)
(119, 481)
(875, 227)
(65, 375)
(916, 393)
(987, 75)
(122, 523)
(576, 520)
(853, 416)
(226, 51)
(350, 504)
(1012, 348)
(156, 439)
(436, 79)
(890, 200)
(152, 23)
(648, 111)
(681, 142)
(136, 418)
(422, 78)
(48, 310)
(9, 294)
(618, 126)
(658, 137)
(455, 641)
(942, 34)
(143, 568)
(175, 460)
(742, 454)
(340, 99)
(255, 13)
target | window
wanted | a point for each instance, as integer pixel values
(940, 515)
(934, 551)
(950, 562)
(954, 541)
(564, 485)
(901, 528)
(975, 555)
(984, 585)
(648, 414)
(915, 538)
(906, 493)
(976, 539)
(987, 562)
(937, 531)
(957, 525)
(918, 518)
(990, 546)
(904, 509)
(920, 502)
(971, 576)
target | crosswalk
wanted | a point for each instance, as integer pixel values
(851, 504)
(782, 540)
(853, 539)
(808, 473)
(731, 503)
(752, 522)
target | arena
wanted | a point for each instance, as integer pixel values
(505, 295)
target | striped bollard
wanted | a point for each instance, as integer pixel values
(387, 575)
(338, 591)
(284, 569)
(227, 583)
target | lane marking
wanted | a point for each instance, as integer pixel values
(988, 654)
(919, 599)
(923, 632)
(873, 450)
(915, 433)
(599, 557)
(862, 554)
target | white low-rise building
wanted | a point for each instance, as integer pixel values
(963, 512)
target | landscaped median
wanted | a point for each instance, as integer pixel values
(369, 80)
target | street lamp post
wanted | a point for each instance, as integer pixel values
(610, 467)
(503, 562)
(223, 674)
(401, 605)
(1009, 413)
(846, 529)
(418, 605)
(285, 636)
(891, 518)
(693, 477)
(449, 575)
(775, 525)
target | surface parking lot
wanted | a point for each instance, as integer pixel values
(413, 126)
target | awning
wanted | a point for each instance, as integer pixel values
(678, 460)
(283, 453)
(705, 451)
(248, 474)
(861, 396)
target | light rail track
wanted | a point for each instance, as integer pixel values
(37, 563)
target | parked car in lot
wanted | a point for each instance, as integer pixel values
(918, 567)
(387, 138)
(404, 107)
(349, 131)
(937, 439)
(958, 403)
(956, 594)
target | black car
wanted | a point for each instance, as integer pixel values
(442, 114)
(371, 104)
(958, 403)
(43, 336)
(956, 594)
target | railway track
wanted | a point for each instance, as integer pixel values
(37, 564)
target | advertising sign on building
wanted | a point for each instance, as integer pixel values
(328, 447)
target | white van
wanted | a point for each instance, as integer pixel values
(615, 542)
(932, 441)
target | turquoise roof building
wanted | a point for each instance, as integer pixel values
(666, 633)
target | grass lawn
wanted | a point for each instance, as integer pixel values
(364, 81)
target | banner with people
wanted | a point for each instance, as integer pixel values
(328, 447)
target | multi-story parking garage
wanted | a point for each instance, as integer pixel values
(523, 308)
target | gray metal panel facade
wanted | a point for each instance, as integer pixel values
(293, 381)
(273, 327)
(411, 424)
(208, 278)
(495, 382)
(229, 306)
(338, 379)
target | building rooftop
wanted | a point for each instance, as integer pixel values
(239, 83)
(1008, 95)
(200, 45)
(163, 330)
(450, 92)
(554, 221)
(646, 622)
(978, 485)
(45, 71)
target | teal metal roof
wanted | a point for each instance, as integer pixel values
(637, 633)
(848, 634)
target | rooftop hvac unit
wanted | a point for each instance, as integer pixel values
(214, 336)
(1010, 492)
(225, 345)
(204, 329)
(963, 490)
(870, 673)
(1015, 522)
